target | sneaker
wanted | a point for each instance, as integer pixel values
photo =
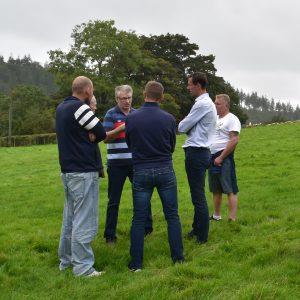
(133, 269)
(111, 240)
(95, 274)
(191, 234)
(63, 267)
(215, 218)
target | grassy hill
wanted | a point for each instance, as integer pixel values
(254, 258)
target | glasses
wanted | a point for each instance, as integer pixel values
(125, 98)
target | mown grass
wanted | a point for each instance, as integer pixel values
(255, 258)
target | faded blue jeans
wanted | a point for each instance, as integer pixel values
(80, 222)
(144, 182)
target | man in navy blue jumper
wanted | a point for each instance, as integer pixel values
(151, 137)
(79, 160)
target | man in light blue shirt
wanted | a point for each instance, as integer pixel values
(199, 125)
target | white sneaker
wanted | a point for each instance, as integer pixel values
(215, 218)
(96, 274)
(63, 268)
(135, 270)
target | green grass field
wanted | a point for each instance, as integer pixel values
(258, 257)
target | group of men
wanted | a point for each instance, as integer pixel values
(140, 144)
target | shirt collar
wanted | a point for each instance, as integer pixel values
(150, 104)
(117, 109)
(201, 97)
(72, 98)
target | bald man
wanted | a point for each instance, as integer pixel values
(79, 164)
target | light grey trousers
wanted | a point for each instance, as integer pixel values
(80, 222)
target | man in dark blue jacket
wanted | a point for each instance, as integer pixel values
(151, 137)
(79, 160)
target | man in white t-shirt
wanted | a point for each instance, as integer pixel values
(222, 176)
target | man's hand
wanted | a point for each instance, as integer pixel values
(92, 137)
(101, 173)
(111, 135)
(218, 161)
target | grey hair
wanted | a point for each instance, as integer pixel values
(123, 88)
(225, 97)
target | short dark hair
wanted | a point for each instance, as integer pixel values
(200, 78)
(154, 90)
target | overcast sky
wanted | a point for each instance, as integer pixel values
(256, 42)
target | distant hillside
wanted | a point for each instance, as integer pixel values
(26, 72)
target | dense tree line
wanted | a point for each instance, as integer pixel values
(260, 109)
(17, 71)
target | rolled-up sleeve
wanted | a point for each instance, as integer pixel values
(196, 114)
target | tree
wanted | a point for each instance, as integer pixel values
(25, 71)
(112, 57)
(31, 111)
(169, 105)
(4, 111)
(185, 59)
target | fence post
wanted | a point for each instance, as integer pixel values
(9, 123)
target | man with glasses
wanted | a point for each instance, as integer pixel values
(119, 161)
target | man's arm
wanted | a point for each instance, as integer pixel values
(112, 134)
(127, 137)
(196, 114)
(88, 120)
(173, 136)
(234, 139)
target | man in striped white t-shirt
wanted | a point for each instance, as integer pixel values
(79, 161)
(119, 160)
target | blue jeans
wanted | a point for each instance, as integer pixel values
(116, 178)
(197, 161)
(80, 222)
(144, 182)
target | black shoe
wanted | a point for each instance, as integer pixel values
(191, 234)
(179, 261)
(111, 240)
(148, 232)
(200, 242)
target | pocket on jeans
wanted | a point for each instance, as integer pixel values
(75, 184)
(167, 180)
(139, 182)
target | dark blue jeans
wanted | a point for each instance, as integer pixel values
(197, 161)
(116, 178)
(144, 182)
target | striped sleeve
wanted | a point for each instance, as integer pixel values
(108, 122)
(88, 120)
